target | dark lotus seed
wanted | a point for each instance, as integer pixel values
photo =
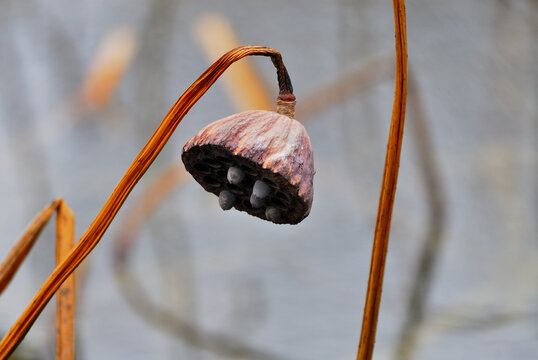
(256, 202)
(226, 200)
(260, 189)
(235, 175)
(272, 213)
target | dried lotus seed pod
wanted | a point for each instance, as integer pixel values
(274, 155)
(256, 202)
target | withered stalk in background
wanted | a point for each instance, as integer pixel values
(433, 240)
(136, 296)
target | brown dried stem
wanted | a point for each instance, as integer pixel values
(65, 298)
(133, 174)
(336, 91)
(388, 190)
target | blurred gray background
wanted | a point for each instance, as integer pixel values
(461, 278)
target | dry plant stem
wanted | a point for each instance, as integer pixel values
(221, 344)
(388, 190)
(139, 166)
(18, 253)
(65, 297)
(110, 61)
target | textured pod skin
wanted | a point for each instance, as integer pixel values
(267, 146)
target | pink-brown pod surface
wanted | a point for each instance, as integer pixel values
(257, 161)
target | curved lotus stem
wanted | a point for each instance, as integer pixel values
(133, 174)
